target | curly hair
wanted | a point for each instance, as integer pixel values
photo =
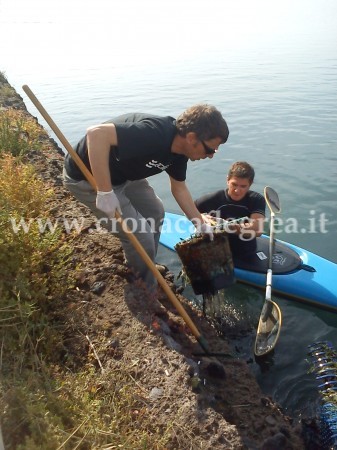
(205, 121)
(241, 169)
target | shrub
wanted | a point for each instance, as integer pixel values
(34, 275)
(18, 132)
(32, 263)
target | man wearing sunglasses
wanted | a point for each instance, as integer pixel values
(208, 150)
(123, 152)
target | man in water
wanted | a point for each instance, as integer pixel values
(123, 152)
(235, 202)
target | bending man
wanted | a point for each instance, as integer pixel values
(123, 152)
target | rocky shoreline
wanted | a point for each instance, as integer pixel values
(216, 399)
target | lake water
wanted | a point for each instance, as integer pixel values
(270, 67)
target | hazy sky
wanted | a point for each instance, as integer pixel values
(170, 29)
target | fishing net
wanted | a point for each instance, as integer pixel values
(207, 264)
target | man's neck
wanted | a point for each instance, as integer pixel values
(178, 145)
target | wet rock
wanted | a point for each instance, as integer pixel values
(270, 421)
(98, 287)
(276, 442)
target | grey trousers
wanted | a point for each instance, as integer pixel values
(142, 211)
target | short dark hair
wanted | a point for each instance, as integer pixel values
(205, 121)
(241, 169)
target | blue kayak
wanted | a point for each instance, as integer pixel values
(297, 273)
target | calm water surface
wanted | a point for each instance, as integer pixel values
(271, 70)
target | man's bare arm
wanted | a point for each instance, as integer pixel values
(100, 138)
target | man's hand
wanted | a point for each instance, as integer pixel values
(206, 228)
(108, 203)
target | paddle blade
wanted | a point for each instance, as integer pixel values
(269, 328)
(272, 199)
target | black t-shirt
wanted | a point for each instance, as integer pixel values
(219, 203)
(143, 150)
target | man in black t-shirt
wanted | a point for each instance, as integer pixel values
(123, 152)
(235, 202)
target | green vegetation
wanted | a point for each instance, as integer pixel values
(46, 405)
(18, 132)
(32, 266)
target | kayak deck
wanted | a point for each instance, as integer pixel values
(297, 273)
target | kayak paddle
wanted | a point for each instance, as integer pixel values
(270, 321)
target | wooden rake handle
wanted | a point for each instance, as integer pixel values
(137, 245)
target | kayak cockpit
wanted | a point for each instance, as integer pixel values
(285, 259)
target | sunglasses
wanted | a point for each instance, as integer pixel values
(208, 150)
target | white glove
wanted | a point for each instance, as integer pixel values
(206, 228)
(108, 203)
